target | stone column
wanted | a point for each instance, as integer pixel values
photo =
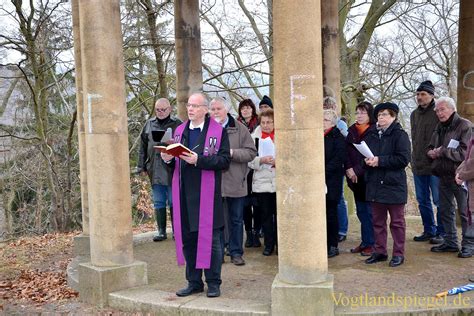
(188, 52)
(330, 43)
(303, 285)
(465, 95)
(112, 265)
(81, 242)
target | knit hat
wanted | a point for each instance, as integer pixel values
(266, 100)
(385, 106)
(426, 86)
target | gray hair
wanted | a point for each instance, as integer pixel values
(447, 101)
(204, 97)
(163, 100)
(332, 115)
(222, 101)
(330, 102)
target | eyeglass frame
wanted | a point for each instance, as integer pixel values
(162, 110)
(195, 106)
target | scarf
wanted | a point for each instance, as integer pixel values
(328, 131)
(271, 135)
(251, 125)
(361, 128)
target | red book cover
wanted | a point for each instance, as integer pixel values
(175, 150)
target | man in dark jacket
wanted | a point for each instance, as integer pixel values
(234, 180)
(150, 163)
(198, 211)
(423, 121)
(448, 148)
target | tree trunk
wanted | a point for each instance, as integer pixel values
(331, 53)
(352, 53)
(188, 52)
(270, 46)
(4, 227)
(160, 68)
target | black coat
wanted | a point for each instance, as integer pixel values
(387, 183)
(148, 158)
(334, 157)
(190, 180)
(355, 160)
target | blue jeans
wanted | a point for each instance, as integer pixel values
(364, 213)
(235, 207)
(424, 185)
(342, 213)
(161, 194)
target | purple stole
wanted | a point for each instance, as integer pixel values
(206, 204)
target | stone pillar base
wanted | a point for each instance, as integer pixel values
(95, 283)
(82, 246)
(302, 299)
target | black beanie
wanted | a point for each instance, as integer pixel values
(385, 106)
(266, 100)
(426, 86)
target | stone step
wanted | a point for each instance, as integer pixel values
(149, 299)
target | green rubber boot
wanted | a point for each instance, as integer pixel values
(161, 221)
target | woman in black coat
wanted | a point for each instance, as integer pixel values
(386, 180)
(355, 170)
(334, 156)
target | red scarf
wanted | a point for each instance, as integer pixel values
(328, 131)
(271, 135)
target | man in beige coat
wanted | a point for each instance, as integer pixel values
(234, 180)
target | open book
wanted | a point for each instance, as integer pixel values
(175, 150)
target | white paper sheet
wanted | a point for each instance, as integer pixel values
(266, 147)
(364, 150)
(453, 144)
(167, 136)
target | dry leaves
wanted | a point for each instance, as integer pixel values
(34, 268)
(144, 203)
(37, 286)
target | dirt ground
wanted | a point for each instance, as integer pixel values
(423, 275)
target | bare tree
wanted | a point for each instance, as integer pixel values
(39, 41)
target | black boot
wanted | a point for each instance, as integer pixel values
(161, 220)
(256, 239)
(249, 240)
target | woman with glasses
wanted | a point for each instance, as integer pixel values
(386, 180)
(263, 181)
(355, 171)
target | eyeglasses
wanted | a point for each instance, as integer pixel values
(161, 110)
(383, 114)
(266, 122)
(194, 106)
